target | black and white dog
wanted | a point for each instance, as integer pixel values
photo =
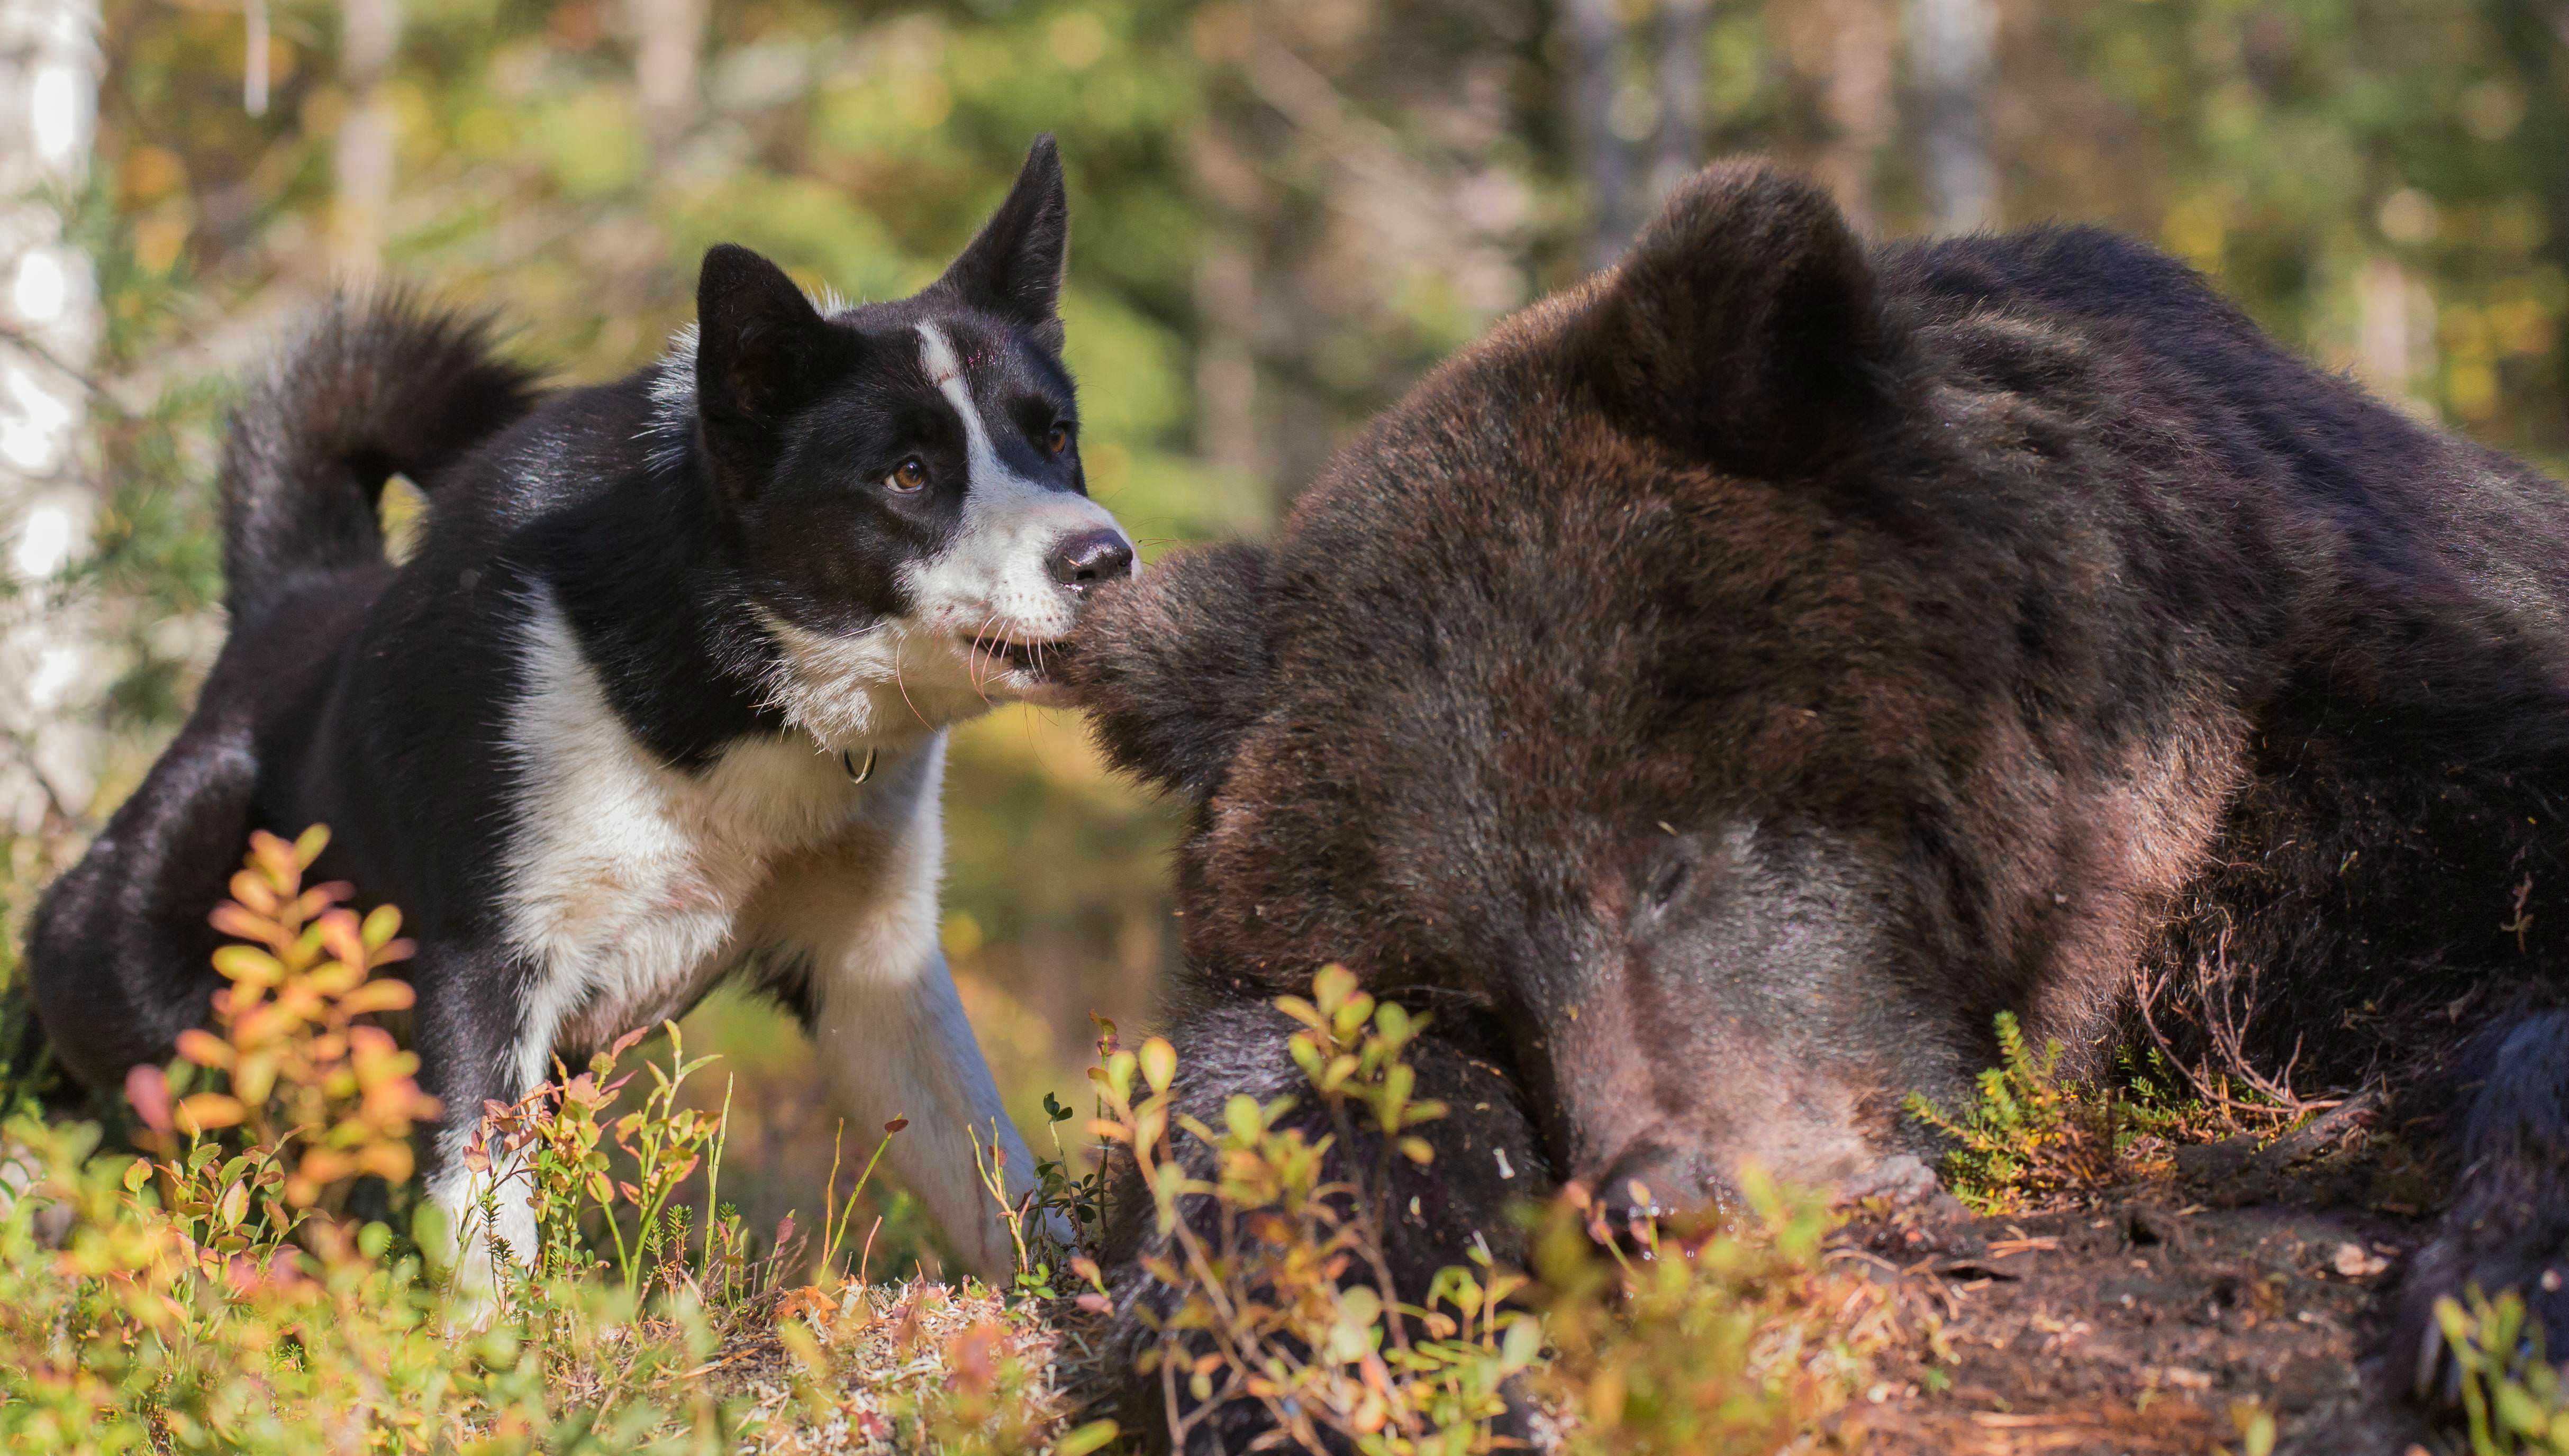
(660, 699)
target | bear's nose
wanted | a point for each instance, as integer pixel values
(1090, 556)
(1648, 1183)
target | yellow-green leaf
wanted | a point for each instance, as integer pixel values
(1159, 1063)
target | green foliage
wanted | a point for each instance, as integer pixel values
(2327, 151)
(2515, 1398)
(1286, 1302)
(558, 1140)
(2031, 1134)
(1732, 1336)
(221, 1294)
(1066, 1212)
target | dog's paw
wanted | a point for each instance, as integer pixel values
(2450, 1267)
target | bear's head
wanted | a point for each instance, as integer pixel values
(1603, 694)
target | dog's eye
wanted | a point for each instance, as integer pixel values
(907, 475)
(1057, 439)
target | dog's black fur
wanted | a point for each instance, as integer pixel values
(1719, 692)
(657, 545)
(120, 942)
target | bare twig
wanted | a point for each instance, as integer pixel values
(18, 339)
(2223, 1019)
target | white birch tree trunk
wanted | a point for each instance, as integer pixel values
(1951, 43)
(668, 69)
(362, 162)
(1680, 146)
(53, 669)
(1859, 101)
(2394, 343)
(1596, 61)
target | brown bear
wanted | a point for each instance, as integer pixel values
(1719, 692)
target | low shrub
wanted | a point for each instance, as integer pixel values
(1288, 1304)
(1729, 1333)
(223, 1292)
(2515, 1399)
(251, 1280)
(2033, 1134)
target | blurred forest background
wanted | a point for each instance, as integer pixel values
(1284, 210)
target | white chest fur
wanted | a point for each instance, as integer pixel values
(632, 886)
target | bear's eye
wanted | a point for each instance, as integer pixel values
(906, 476)
(1057, 439)
(1665, 884)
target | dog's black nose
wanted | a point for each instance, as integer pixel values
(1092, 556)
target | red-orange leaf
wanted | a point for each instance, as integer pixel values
(239, 924)
(207, 1110)
(147, 1088)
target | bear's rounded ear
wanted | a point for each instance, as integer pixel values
(1174, 665)
(1015, 267)
(1743, 327)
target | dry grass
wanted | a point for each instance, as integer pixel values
(852, 1368)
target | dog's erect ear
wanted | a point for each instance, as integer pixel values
(762, 352)
(1743, 328)
(1173, 665)
(760, 345)
(1015, 267)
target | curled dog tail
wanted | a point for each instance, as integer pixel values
(378, 385)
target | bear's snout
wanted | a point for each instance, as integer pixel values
(1652, 1178)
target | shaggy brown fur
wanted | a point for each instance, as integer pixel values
(1722, 690)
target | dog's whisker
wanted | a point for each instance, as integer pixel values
(973, 658)
(897, 682)
(981, 680)
(973, 663)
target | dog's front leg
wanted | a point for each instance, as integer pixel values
(849, 934)
(894, 1044)
(473, 1050)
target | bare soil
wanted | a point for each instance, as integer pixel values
(2144, 1319)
